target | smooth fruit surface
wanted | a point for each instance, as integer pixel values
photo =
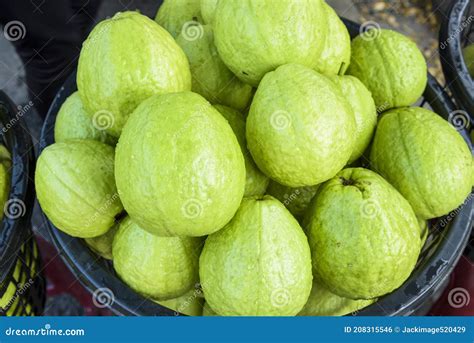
(256, 182)
(391, 66)
(364, 236)
(76, 189)
(189, 304)
(178, 16)
(73, 122)
(211, 77)
(425, 158)
(208, 10)
(159, 267)
(259, 264)
(254, 37)
(102, 245)
(125, 60)
(363, 107)
(300, 129)
(179, 167)
(336, 53)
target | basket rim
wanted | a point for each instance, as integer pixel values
(458, 79)
(14, 228)
(82, 262)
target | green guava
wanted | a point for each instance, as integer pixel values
(300, 129)
(5, 156)
(391, 66)
(125, 60)
(323, 302)
(5, 165)
(158, 267)
(254, 37)
(179, 167)
(102, 245)
(208, 10)
(190, 303)
(296, 200)
(424, 230)
(76, 189)
(178, 16)
(468, 53)
(424, 158)
(364, 236)
(207, 311)
(256, 182)
(210, 76)
(72, 122)
(336, 52)
(259, 264)
(363, 107)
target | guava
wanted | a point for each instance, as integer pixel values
(210, 76)
(158, 267)
(102, 245)
(259, 264)
(425, 158)
(468, 54)
(363, 107)
(208, 10)
(256, 182)
(364, 236)
(336, 52)
(5, 166)
(72, 122)
(179, 168)
(296, 200)
(391, 66)
(323, 302)
(424, 230)
(207, 311)
(125, 60)
(190, 303)
(254, 37)
(178, 16)
(300, 129)
(76, 189)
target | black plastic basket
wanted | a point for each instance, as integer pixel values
(447, 239)
(457, 30)
(20, 261)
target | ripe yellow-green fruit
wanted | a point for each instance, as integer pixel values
(125, 60)
(391, 66)
(207, 311)
(296, 200)
(254, 37)
(424, 158)
(76, 189)
(256, 182)
(162, 268)
(102, 245)
(208, 10)
(5, 166)
(178, 16)
(259, 264)
(190, 304)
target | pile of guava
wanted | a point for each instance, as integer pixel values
(247, 158)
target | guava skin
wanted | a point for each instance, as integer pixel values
(179, 168)
(256, 182)
(178, 15)
(254, 37)
(336, 53)
(296, 200)
(158, 267)
(102, 245)
(365, 114)
(468, 54)
(364, 236)
(259, 264)
(300, 129)
(210, 76)
(391, 66)
(76, 189)
(208, 10)
(125, 60)
(424, 158)
(208, 311)
(5, 177)
(73, 122)
(322, 302)
(189, 304)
